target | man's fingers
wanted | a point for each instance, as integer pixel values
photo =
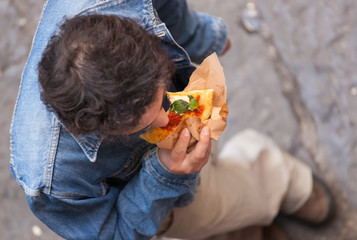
(180, 161)
(180, 148)
(203, 147)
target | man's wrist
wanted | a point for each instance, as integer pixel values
(155, 167)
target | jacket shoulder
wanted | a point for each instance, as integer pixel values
(33, 141)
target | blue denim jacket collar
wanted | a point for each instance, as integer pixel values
(90, 144)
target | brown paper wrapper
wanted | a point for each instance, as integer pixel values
(209, 75)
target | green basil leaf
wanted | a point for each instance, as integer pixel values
(193, 103)
(179, 106)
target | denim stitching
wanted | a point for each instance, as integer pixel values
(11, 139)
(90, 152)
(51, 156)
(151, 12)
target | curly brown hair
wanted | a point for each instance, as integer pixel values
(100, 72)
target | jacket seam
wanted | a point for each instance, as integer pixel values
(151, 13)
(51, 156)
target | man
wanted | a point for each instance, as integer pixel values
(88, 92)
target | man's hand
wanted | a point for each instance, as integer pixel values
(179, 161)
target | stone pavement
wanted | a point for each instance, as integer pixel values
(295, 81)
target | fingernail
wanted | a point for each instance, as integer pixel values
(186, 132)
(205, 131)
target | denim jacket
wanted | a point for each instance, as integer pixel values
(86, 188)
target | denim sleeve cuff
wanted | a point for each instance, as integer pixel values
(219, 33)
(153, 165)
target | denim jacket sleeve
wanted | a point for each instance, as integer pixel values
(133, 212)
(200, 34)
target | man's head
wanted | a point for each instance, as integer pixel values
(102, 73)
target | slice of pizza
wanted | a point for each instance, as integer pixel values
(182, 105)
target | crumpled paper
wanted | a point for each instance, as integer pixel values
(209, 75)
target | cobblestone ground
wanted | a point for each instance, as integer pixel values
(296, 81)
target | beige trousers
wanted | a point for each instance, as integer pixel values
(251, 181)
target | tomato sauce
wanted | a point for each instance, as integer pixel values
(198, 112)
(175, 119)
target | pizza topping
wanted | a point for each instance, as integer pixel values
(173, 98)
(180, 106)
(193, 104)
(197, 103)
(174, 120)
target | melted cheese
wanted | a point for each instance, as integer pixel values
(179, 97)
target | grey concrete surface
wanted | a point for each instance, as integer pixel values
(296, 82)
(18, 21)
